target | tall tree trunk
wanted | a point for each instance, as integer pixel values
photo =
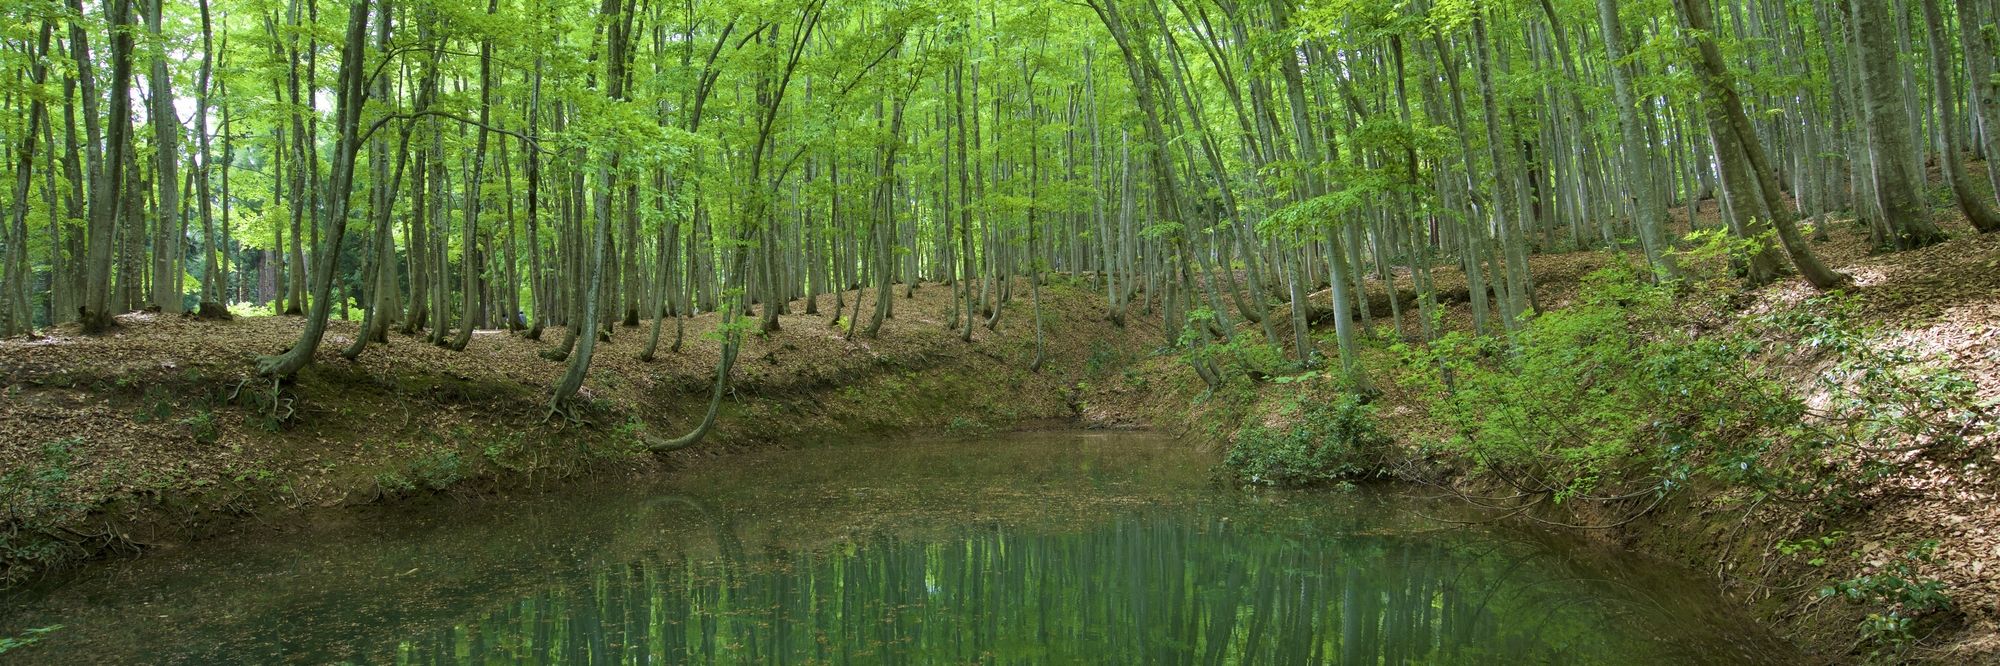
(1892, 150)
(214, 283)
(1985, 97)
(471, 268)
(108, 197)
(1945, 91)
(1719, 90)
(166, 174)
(351, 94)
(1649, 213)
(15, 316)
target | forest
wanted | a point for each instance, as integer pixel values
(1608, 249)
(445, 167)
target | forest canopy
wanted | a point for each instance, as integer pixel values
(441, 166)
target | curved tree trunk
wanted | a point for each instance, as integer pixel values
(352, 93)
(1718, 89)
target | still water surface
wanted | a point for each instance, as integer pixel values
(1029, 549)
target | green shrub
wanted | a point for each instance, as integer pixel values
(1876, 402)
(202, 427)
(1103, 358)
(33, 493)
(1899, 599)
(1329, 442)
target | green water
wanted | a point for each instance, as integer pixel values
(1053, 548)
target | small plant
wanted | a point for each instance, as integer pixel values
(1900, 598)
(35, 506)
(157, 406)
(202, 427)
(35, 492)
(258, 474)
(391, 482)
(502, 451)
(632, 429)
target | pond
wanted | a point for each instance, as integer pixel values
(1018, 549)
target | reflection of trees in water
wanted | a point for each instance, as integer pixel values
(1150, 589)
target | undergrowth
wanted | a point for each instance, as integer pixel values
(1898, 596)
(1323, 441)
(1631, 394)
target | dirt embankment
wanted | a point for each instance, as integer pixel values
(159, 431)
(1942, 302)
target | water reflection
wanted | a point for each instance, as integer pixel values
(1048, 550)
(1155, 588)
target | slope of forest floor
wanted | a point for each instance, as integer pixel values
(1942, 302)
(159, 432)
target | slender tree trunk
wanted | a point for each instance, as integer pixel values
(1985, 97)
(471, 267)
(1649, 213)
(166, 175)
(214, 284)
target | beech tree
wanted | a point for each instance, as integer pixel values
(1223, 166)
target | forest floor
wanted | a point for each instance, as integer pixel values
(159, 432)
(1942, 301)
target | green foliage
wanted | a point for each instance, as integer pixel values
(1329, 441)
(1103, 357)
(393, 482)
(156, 405)
(505, 451)
(1874, 404)
(435, 471)
(34, 493)
(632, 430)
(1720, 243)
(1616, 390)
(1603, 390)
(253, 310)
(1898, 598)
(1247, 356)
(1815, 548)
